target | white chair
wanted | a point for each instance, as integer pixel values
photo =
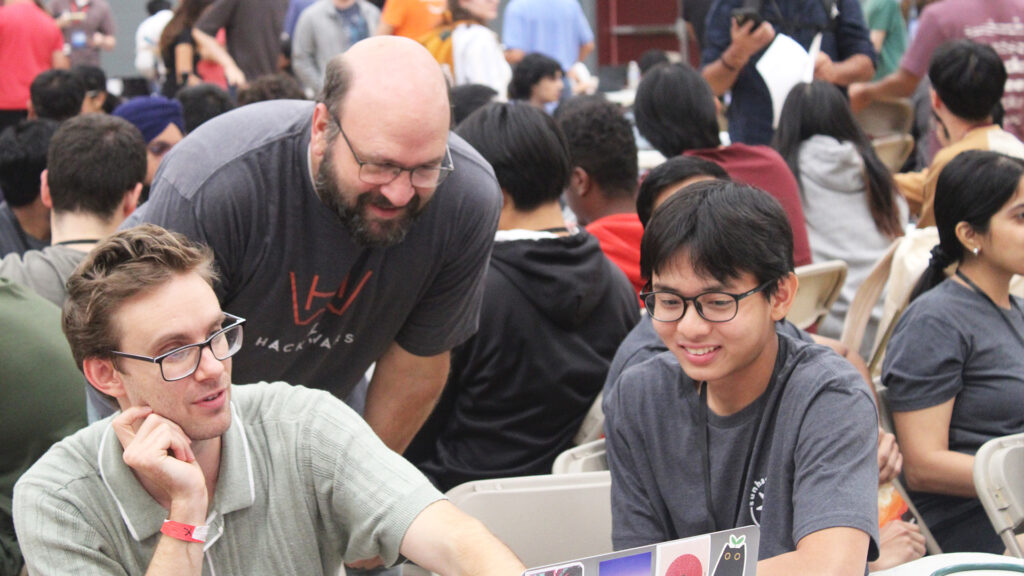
(820, 284)
(593, 423)
(543, 519)
(589, 457)
(999, 481)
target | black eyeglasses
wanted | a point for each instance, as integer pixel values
(380, 174)
(712, 306)
(182, 362)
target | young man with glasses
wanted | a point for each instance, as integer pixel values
(737, 424)
(348, 232)
(195, 475)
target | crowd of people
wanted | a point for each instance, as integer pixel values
(431, 254)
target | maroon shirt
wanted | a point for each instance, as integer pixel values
(762, 167)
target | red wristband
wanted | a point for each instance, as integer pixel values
(184, 532)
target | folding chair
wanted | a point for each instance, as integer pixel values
(589, 457)
(592, 427)
(893, 150)
(820, 284)
(543, 519)
(999, 481)
(886, 117)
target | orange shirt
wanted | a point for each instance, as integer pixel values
(413, 18)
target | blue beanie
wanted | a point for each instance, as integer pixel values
(152, 114)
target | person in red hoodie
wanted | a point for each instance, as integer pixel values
(603, 185)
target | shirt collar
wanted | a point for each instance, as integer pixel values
(143, 516)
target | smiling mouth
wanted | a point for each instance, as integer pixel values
(700, 351)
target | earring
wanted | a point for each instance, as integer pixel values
(976, 250)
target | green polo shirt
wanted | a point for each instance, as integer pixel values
(304, 485)
(41, 394)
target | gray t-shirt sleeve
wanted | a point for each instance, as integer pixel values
(448, 313)
(836, 475)
(924, 361)
(634, 520)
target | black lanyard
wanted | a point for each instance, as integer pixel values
(704, 438)
(705, 448)
(1013, 305)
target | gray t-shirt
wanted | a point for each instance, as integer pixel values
(321, 308)
(809, 470)
(953, 343)
(46, 271)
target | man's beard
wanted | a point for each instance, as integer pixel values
(365, 231)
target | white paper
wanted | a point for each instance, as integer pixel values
(784, 65)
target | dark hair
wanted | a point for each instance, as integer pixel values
(526, 149)
(528, 72)
(283, 87)
(154, 6)
(601, 142)
(725, 228)
(57, 94)
(185, 17)
(972, 188)
(92, 77)
(968, 77)
(671, 172)
(675, 110)
(93, 160)
(457, 13)
(820, 108)
(468, 97)
(23, 158)
(650, 59)
(201, 103)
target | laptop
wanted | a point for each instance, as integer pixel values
(726, 553)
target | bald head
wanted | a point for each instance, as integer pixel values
(392, 75)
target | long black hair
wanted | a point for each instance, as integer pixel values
(820, 108)
(972, 188)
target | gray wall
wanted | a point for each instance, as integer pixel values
(127, 15)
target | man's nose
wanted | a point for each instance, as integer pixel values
(400, 190)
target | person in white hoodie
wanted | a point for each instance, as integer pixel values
(850, 203)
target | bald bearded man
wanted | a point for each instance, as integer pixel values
(350, 231)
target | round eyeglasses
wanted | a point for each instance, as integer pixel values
(182, 362)
(713, 306)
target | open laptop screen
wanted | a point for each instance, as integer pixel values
(726, 553)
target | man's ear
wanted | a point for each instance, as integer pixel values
(44, 190)
(100, 372)
(131, 200)
(785, 293)
(321, 124)
(579, 181)
(934, 97)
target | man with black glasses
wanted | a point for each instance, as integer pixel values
(350, 231)
(737, 424)
(195, 475)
